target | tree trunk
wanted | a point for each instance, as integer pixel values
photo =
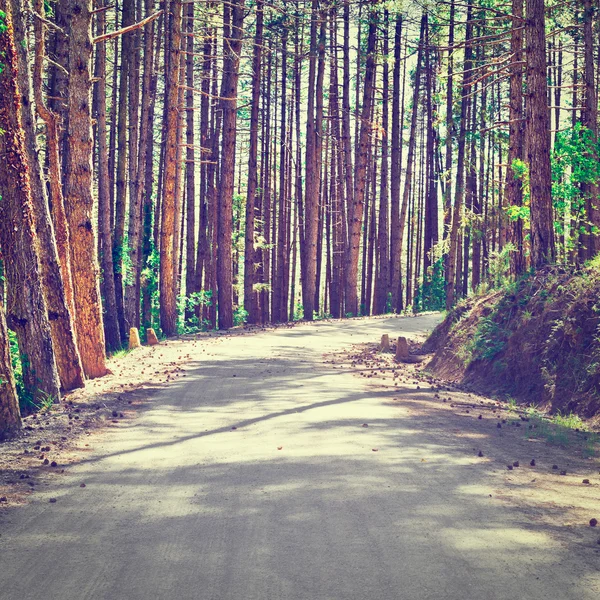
(233, 21)
(79, 199)
(538, 137)
(111, 323)
(410, 164)
(27, 315)
(168, 301)
(250, 297)
(383, 272)
(514, 187)
(395, 241)
(590, 120)
(311, 204)
(356, 212)
(68, 361)
(460, 165)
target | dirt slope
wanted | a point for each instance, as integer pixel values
(537, 341)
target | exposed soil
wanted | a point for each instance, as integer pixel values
(536, 341)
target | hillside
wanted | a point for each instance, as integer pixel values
(535, 341)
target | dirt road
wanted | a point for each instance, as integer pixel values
(253, 478)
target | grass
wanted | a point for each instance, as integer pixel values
(120, 353)
(558, 430)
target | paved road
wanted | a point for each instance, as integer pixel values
(179, 505)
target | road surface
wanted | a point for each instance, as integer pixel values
(252, 478)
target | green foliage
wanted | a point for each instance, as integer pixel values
(190, 304)
(574, 163)
(240, 316)
(27, 404)
(489, 340)
(149, 278)
(431, 294)
(499, 266)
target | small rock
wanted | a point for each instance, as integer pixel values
(151, 338)
(402, 351)
(384, 346)
(134, 338)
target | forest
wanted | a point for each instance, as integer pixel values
(189, 165)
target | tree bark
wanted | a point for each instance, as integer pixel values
(68, 361)
(538, 137)
(79, 200)
(354, 233)
(590, 121)
(514, 187)
(26, 309)
(168, 300)
(111, 324)
(233, 21)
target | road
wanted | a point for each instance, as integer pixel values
(252, 478)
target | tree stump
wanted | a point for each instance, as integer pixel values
(402, 349)
(134, 338)
(151, 338)
(384, 346)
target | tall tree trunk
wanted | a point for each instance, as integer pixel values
(233, 21)
(514, 187)
(140, 181)
(311, 205)
(450, 127)
(79, 199)
(190, 163)
(538, 137)
(410, 164)
(453, 257)
(111, 324)
(590, 120)
(383, 272)
(119, 248)
(26, 308)
(250, 297)
(279, 304)
(356, 219)
(61, 324)
(168, 300)
(395, 241)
